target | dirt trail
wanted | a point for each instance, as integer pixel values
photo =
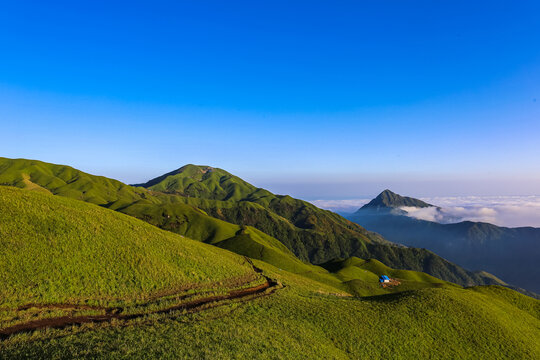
(266, 288)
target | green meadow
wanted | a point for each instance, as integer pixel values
(56, 249)
(149, 293)
(306, 319)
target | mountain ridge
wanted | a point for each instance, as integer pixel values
(310, 233)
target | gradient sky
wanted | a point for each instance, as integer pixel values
(321, 100)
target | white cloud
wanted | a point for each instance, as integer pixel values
(511, 211)
(452, 214)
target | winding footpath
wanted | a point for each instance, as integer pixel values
(266, 288)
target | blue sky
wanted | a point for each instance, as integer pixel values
(316, 99)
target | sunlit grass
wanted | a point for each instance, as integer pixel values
(55, 249)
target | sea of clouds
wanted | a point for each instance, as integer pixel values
(510, 211)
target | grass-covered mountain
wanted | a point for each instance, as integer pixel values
(57, 250)
(82, 281)
(311, 233)
(509, 253)
(226, 205)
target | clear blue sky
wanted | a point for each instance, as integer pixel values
(317, 99)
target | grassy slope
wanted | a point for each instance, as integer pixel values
(68, 182)
(304, 320)
(60, 242)
(298, 224)
(57, 249)
(361, 277)
(309, 232)
(162, 210)
(78, 230)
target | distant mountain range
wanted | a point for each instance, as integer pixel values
(511, 254)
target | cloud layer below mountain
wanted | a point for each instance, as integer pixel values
(511, 211)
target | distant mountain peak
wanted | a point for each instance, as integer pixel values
(389, 199)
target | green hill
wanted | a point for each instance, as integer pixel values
(361, 277)
(65, 237)
(69, 182)
(310, 233)
(56, 249)
(67, 261)
(71, 235)
(308, 320)
(205, 182)
(298, 224)
(114, 286)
